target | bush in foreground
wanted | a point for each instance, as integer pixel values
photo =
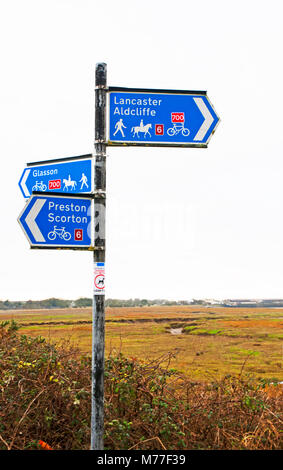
(45, 398)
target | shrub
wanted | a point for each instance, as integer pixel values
(45, 403)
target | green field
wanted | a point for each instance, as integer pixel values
(207, 343)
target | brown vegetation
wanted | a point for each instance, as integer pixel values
(45, 400)
(213, 341)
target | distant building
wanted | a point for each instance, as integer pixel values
(213, 301)
(253, 302)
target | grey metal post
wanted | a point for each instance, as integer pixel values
(98, 318)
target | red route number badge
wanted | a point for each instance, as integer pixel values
(99, 278)
(159, 129)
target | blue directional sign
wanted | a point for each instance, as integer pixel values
(149, 117)
(57, 221)
(62, 175)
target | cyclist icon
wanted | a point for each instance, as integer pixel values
(39, 186)
(177, 128)
(60, 232)
(119, 127)
(178, 121)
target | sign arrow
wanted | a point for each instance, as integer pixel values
(64, 175)
(208, 119)
(22, 182)
(160, 117)
(57, 221)
(30, 220)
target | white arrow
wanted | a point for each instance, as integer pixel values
(23, 183)
(208, 119)
(30, 220)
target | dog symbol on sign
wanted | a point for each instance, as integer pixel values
(99, 281)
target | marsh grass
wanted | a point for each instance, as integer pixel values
(144, 332)
(149, 404)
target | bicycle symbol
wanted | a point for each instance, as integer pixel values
(60, 232)
(39, 186)
(177, 128)
(178, 121)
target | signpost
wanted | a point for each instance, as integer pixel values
(98, 306)
(66, 175)
(58, 213)
(160, 118)
(57, 221)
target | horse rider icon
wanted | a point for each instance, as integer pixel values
(119, 127)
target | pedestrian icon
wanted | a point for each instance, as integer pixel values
(83, 180)
(119, 127)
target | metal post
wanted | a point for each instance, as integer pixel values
(98, 318)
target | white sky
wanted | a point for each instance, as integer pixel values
(181, 223)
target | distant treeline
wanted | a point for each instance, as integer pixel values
(83, 302)
(34, 304)
(87, 302)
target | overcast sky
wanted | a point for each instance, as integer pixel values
(181, 223)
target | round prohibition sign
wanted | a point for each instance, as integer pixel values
(99, 281)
